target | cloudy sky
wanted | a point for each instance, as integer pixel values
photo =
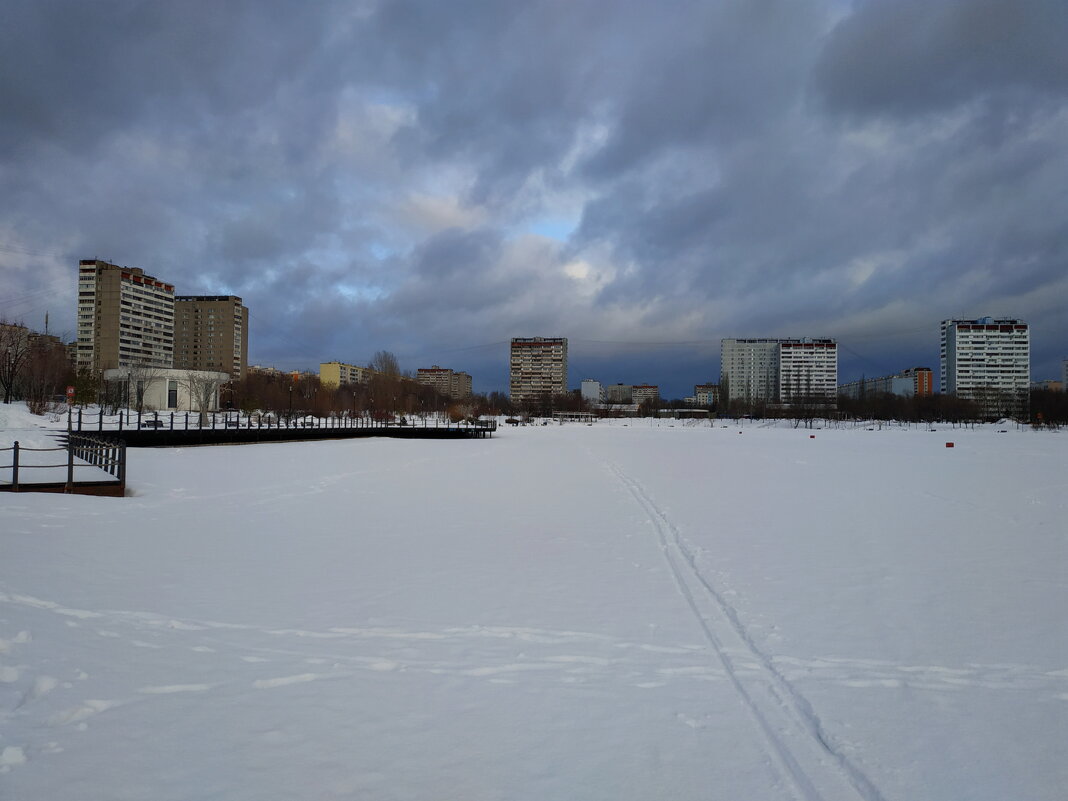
(433, 178)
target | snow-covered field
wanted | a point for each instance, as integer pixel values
(560, 612)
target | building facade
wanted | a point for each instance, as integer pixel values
(706, 394)
(537, 369)
(211, 333)
(641, 393)
(592, 391)
(336, 374)
(165, 390)
(749, 369)
(125, 318)
(446, 382)
(618, 393)
(808, 371)
(914, 382)
(987, 360)
(779, 371)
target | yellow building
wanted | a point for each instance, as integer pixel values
(336, 374)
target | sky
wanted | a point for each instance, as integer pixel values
(645, 179)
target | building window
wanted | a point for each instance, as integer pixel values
(172, 394)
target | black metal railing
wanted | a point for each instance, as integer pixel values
(82, 451)
(129, 420)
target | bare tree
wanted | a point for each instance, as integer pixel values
(14, 353)
(385, 363)
(203, 390)
(139, 379)
(47, 370)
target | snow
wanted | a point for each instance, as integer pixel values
(559, 612)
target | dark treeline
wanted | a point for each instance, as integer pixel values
(384, 395)
(1044, 407)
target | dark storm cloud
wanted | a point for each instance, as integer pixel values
(911, 56)
(369, 176)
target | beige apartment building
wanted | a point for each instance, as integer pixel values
(640, 393)
(445, 381)
(125, 318)
(211, 333)
(537, 368)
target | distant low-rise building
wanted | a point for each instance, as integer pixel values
(706, 394)
(914, 382)
(1048, 385)
(337, 374)
(263, 370)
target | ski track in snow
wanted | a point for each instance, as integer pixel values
(812, 761)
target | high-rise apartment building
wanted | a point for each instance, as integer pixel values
(447, 382)
(808, 371)
(779, 370)
(749, 369)
(125, 318)
(988, 361)
(211, 333)
(537, 368)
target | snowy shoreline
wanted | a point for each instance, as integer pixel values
(597, 612)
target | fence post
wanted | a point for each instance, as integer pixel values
(15, 467)
(121, 446)
(172, 421)
(79, 419)
(100, 419)
(70, 466)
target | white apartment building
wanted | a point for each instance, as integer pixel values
(125, 318)
(592, 391)
(537, 368)
(778, 370)
(749, 369)
(987, 360)
(808, 371)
